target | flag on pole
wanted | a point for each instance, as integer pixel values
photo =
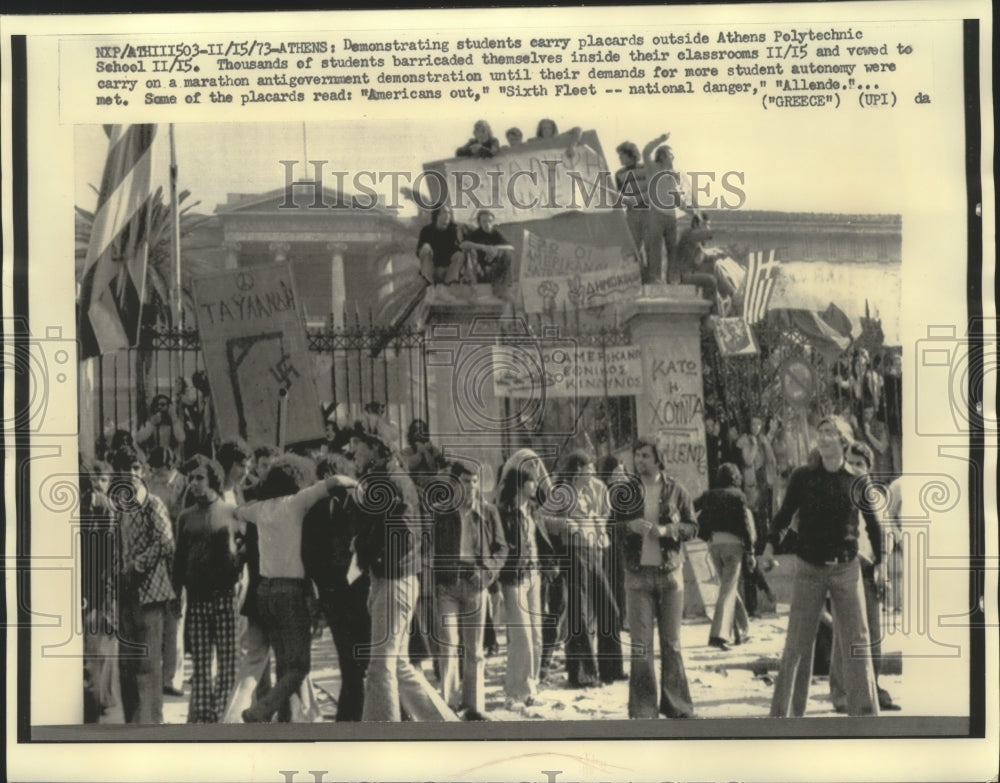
(761, 276)
(114, 276)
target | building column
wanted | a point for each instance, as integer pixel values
(666, 325)
(385, 275)
(232, 254)
(338, 289)
(280, 251)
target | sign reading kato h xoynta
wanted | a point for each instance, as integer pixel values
(253, 338)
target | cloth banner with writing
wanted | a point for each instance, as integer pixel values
(566, 371)
(557, 274)
(536, 180)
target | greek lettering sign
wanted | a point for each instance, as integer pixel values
(250, 323)
(533, 181)
(672, 407)
(562, 371)
(557, 274)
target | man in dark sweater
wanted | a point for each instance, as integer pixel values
(493, 253)
(327, 535)
(827, 495)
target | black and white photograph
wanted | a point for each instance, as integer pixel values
(580, 379)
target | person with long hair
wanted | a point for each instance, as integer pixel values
(546, 129)
(438, 248)
(483, 143)
(550, 539)
(207, 566)
(593, 647)
(522, 586)
(726, 522)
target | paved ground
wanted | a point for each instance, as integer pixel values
(737, 683)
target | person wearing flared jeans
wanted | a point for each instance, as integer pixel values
(593, 646)
(730, 622)
(460, 620)
(655, 599)
(140, 663)
(284, 613)
(392, 680)
(812, 583)
(522, 599)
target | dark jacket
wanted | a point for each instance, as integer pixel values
(725, 511)
(387, 518)
(327, 531)
(522, 556)
(489, 545)
(676, 511)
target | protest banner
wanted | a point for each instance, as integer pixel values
(556, 274)
(252, 335)
(561, 371)
(533, 181)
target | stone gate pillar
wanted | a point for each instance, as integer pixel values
(670, 406)
(466, 417)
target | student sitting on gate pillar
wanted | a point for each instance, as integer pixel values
(439, 250)
(489, 252)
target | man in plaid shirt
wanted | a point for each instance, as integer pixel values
(145, 593)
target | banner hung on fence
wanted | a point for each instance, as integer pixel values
(566, 371)
(557, 274)
(251, 326)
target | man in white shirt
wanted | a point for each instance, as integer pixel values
(653, 517)
(281, 593)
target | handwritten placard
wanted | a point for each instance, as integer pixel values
(252, 333)
(557, 274)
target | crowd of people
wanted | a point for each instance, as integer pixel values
(233, 557)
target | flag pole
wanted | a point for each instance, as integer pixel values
(177, 306)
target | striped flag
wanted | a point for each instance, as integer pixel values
(114, 275)
(761, 276)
